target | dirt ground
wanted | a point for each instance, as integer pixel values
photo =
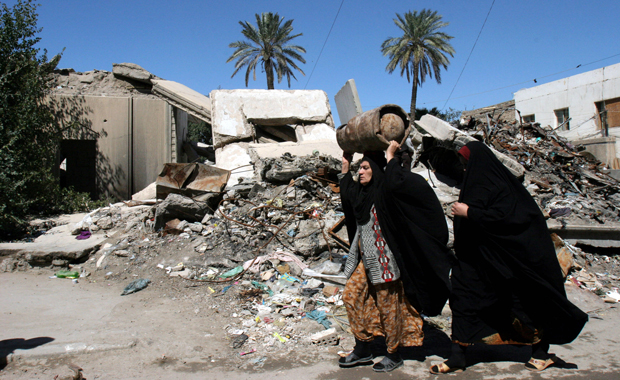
(180, 328)
(177, 329)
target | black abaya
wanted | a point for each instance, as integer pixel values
(507, 282)
(414, 226)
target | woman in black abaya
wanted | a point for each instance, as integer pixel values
(398, 264)
(507, 285)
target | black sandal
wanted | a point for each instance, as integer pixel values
(387, 365)
(352, 359)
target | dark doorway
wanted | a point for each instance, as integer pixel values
(78, 165)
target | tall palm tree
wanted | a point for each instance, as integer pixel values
(268, 44)
(420, 51)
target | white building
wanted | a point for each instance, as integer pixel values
(581, 107)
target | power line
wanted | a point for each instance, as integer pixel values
(527, 81)
(324, 43)
(470, 53)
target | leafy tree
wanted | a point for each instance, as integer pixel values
(421, 51)
(450, 115)
(30, 127)
(267, 44)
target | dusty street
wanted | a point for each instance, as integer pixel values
(171, 331)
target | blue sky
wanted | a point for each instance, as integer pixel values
(187, 41)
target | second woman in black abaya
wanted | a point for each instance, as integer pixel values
(507, 285)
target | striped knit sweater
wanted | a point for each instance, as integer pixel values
(371, 246)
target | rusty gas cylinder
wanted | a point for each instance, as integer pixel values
(373, 130)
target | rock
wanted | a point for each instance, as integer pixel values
(179, 206)
(59, 263)
(105, 223)
(132, 71)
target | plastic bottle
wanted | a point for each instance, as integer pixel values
(67, 274)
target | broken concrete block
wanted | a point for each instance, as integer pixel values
(149, 192)
(87, 78)
(236, 112)
(235, 157)
(440, 129)
(314, 132)
(132, 71)
(327, 147)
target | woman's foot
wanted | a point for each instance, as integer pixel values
(389, 363)
(352, 360)
(538, 365)
(444, 368)
(361, 355)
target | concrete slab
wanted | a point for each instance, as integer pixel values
(326, 147)
(234, 111)
(57, 243)
(184, 98)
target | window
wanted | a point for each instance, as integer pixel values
(562, 119)
(529, 118)
(608, 112)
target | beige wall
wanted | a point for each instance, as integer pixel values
(151, 134)
(136, 139)
(110, 116)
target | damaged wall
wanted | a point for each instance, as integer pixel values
(580, 95)
(139, 132)
(135, 142)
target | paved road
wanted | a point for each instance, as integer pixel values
(49, 323)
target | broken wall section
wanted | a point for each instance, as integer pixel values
(242, 118)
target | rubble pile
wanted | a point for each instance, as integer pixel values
(566, 181)
(269, 257)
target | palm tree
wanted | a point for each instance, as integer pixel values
(420, 51)
(267, 44)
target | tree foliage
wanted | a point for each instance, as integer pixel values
(30, 131)
(268, 46)
(451, 115)
(421, 51)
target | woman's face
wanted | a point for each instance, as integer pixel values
(463, 162)
(365, 173)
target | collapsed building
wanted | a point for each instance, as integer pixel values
(140, 122)
(263, 231)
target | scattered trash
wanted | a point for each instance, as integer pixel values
(67, 274)
(279, 337)
(320, 317)
(233, 272)
(83, 235)
(239, 340)
(135, 286)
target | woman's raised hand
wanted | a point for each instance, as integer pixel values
(391, 150)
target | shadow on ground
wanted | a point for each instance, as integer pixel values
(8, 346)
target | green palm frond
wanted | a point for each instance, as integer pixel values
(267, 45)
(422, 50)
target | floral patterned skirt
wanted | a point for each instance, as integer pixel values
(381, 310)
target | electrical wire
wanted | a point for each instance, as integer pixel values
(324, 43)
(470, 53)
(527, 81)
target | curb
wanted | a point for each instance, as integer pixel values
(55, 350)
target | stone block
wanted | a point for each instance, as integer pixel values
(133, 71)
(438, 128)
(235, 111)
(313, 132)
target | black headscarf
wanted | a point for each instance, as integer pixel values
(363, 196)
(413, 224)
(505, 241)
